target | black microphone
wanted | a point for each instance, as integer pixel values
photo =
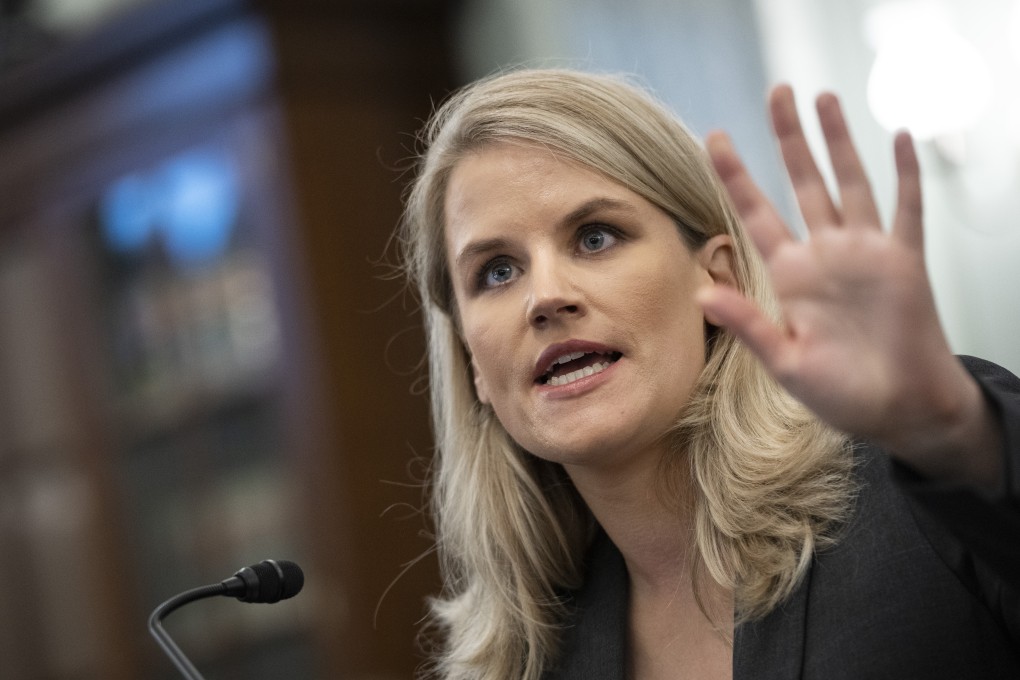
(268, 581)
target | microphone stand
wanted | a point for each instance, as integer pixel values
(182, 662)
(268, 581)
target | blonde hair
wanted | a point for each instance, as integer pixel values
(770, 482)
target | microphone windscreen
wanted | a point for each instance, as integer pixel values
(271, 581)
(293, 579)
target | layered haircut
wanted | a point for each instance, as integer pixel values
(766, 482)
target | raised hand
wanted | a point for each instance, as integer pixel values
(860, 341)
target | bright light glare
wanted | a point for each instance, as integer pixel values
(926, 77)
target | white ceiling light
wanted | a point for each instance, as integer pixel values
(926, 77)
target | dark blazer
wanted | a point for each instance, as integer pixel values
(924, 583)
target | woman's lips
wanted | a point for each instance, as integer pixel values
(567, 362)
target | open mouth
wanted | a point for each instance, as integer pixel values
(576, 365)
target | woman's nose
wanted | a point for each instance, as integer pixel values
(553, 294)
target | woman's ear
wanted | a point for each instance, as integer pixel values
(481, 390)
(716, 257)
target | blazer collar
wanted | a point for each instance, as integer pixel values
(772, 648)
(595, 644)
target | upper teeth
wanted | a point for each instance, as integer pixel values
(568, 357)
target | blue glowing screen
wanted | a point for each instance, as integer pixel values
(189, 205)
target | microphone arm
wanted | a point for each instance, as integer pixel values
(170, 647)
(268, 581)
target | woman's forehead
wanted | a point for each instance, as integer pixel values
(518, 183)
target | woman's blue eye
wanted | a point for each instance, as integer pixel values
(597, 238)
(496, 274)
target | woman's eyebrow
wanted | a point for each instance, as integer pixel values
(475, 248)
(594, 205)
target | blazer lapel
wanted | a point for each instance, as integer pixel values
(594, 647)
(772, 648)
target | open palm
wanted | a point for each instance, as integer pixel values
(860, 341)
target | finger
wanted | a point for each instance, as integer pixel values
(812, 195)
(759, 217)
(908, 224)
(858, 202)
(727, 307)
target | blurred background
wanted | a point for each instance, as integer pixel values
(204, 358)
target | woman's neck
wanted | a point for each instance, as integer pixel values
(655, 536)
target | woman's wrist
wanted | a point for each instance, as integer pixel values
(961, 443)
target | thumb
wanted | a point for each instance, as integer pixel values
(727, 307)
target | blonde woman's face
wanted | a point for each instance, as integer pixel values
(576, 299)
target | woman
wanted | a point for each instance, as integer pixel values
(624, 485)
